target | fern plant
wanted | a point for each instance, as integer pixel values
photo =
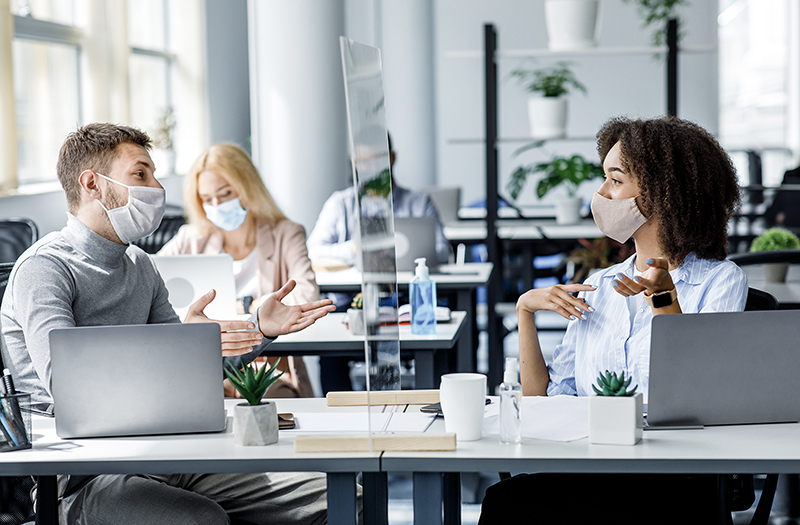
(612, 384)
(252, 382)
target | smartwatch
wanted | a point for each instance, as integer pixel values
(661, 299)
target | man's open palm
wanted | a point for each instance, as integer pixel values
(276, 318)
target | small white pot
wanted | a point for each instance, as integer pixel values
(775, 272)
(548, 117)
(571, 24)
(255, 425)
(355, 321)
(615, 420)
(568, 210)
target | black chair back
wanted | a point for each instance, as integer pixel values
(16, 236)
(5, 271)
(166, 230)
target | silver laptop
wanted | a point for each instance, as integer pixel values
(415, 237)
(189, 277)
(137, 380)
(724, 368)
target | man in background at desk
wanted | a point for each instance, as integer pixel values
(89, 274)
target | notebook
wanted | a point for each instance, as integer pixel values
(415, 237)
(189, 277)
(724, 368)
(137, 380)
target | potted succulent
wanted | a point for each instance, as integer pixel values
(658, 12)
(355, 315)
(571, 24)
(775, 239)
(254, 422)
(615, 412)
(548, 114)
(570, 172)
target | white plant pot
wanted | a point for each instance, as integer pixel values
(355, 320)
(548, 117)
(775, 272)
(255, 425)
(568, 210)
(571, 24)
(615, 420)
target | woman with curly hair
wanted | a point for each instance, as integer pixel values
(672, 188)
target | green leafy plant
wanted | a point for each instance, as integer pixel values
(569, 171)
(658, 12)
(597, 253)
(550, 81)
(775, 239)
(162, 138)
(357, 302)
(612, 384)
(252, 382)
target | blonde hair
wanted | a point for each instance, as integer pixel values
(234, 164)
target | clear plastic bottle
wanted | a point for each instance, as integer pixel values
(510, 399)
(422, 291)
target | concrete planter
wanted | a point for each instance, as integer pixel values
(255, 425)
(615, 420)
(571, 24)
(775, 272)
(355, 321)
(547, 117)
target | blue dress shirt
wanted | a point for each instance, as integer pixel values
(615, 337)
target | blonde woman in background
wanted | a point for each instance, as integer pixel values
(231, 211)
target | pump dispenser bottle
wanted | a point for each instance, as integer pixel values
(422, 293)
(510, 399)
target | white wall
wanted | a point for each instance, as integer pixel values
(616, 85)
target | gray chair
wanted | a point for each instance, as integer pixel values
(169, 226)
(16, 235)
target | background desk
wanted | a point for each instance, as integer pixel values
(194, 453)
(739, 449)
(330, 336)
(460, 280)
(787, 294)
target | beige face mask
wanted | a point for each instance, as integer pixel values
(617, 218)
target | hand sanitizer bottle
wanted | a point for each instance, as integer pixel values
(422, 293)
(510, 398)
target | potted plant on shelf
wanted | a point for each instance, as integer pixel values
(775, 239)
(571, 24)
(548, 113)
(615, 413)
(163, 152)
(569, 171)
(254, 422)
(658, 12)
(355, 315)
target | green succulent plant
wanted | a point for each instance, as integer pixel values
(612, 384)
(775, 239)
(358, 302)
(252, 382)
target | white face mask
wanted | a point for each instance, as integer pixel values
(227, 216)
(618, 219)
(141, 215)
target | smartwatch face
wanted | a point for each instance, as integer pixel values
(661, 300)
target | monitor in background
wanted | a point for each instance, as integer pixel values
(137, 380)
(447, 202)
(415, 237)
(724, 368)
(189, 277)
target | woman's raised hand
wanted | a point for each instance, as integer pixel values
(654, 280)
(558, 299)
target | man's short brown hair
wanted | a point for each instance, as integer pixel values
(92, 147)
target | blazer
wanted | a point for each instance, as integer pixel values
(282, 255)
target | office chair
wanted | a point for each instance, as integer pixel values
(16, 236)
(776, 256)
(169, 226)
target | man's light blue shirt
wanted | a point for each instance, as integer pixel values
(615, 337)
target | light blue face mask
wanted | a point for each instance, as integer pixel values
(227, 216)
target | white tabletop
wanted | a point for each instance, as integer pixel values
(331, 333)
(446, 276)
(787, 294)
(523, 230)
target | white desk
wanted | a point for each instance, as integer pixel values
(787, 294)
(330, 336)
(522, 230)
(193, 453)
(739, 449)
(459, 279)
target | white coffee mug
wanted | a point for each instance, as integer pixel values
(463, 398)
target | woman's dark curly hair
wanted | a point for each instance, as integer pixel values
(687, 181)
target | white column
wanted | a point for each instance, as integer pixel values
(8, 114)
(407, 53)
(298, 119)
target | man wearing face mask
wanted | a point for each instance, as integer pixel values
(88, 274)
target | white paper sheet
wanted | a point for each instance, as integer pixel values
(558, 418)
(390, 422)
